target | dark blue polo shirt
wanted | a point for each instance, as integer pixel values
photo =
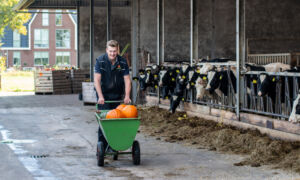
(112, 76)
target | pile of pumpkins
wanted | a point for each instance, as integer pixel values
(123, 111)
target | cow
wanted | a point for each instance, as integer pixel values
(193, 76)
(267, 83)
(201, 81)
(155, 69)
(182, 81)
(167, 81)
(218, 81)
(218, 60)
(145, 78)
(252, 67)
(295, 114)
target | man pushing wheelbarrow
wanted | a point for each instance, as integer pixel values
(112, 83)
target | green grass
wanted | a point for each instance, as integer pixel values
(17, 81)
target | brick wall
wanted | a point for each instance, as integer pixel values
(27, 56)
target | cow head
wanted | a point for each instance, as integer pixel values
(142, 79)
(156, 75)
(193, 75)
(265, 83)
(202, 79)
(182, 79)
(214, 78)
(149, 78)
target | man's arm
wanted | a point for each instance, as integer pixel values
(97, 84)
(127, 89)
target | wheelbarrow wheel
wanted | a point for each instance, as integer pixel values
(136, 153)
(100, 154)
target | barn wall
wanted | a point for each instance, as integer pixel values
(121, 24)
(272, 27)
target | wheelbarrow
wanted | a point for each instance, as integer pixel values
(120, 135)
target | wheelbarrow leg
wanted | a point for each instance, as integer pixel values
(115, 156)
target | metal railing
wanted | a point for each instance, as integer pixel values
(287, 87)
(263, 59)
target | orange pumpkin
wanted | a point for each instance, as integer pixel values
(130, 111)
(115, 113)
(121, 106)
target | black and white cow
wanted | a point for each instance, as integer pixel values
(267, 83)
(145, 78)
(193, 76)
(167, 81)
(216, 60)
(182, 81)
(295, 114)
(202, 81)
(155, 70)
(218, 81)
(253, 67)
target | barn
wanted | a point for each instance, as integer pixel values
(224, 36)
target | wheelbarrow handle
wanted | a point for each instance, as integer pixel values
(108, 102)
(113, 101)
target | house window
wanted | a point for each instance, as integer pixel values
(45, 18)
(16, 39)
(41, 58)
(62, 38)
(58, 18)
(41, 39)
(17, 58)
(63, 58)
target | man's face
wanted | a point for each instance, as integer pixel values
(112, 52)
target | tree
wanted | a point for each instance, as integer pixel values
(11, 18)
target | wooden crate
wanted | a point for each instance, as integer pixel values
(54, 82)
(88, 93)
(77, 77)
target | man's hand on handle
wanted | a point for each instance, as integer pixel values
(127, 100)
(101, 100)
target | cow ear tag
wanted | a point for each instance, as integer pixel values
(183, 77)
(177, 71)
(204, 78)
(254, 81)
(273, 79)
(173, 79)
(182, 99)
(221, 77)
(198, 71)
(192, 84)
(155, 76)
(166, 97)
(171, 74)
(155, 86)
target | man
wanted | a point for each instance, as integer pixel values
(111, 74)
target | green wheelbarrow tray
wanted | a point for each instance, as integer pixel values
(119, 133)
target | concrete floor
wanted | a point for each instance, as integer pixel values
(54, 137)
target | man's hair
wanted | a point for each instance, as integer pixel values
(112, 43)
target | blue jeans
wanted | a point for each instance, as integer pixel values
(100, 133)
